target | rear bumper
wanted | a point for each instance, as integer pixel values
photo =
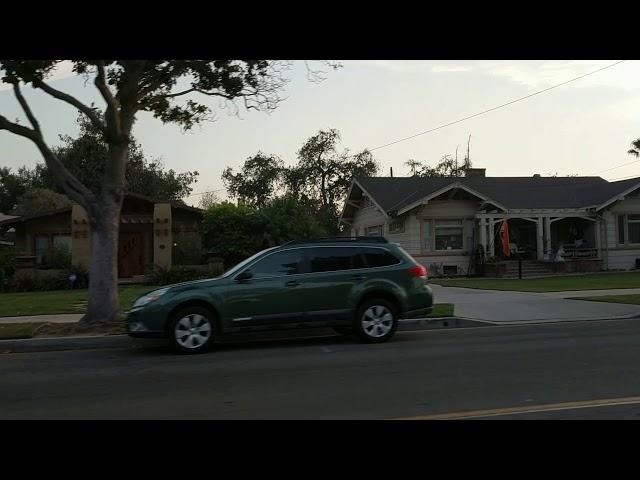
(417, 313)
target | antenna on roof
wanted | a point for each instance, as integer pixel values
(391, 171)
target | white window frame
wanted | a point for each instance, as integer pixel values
(401, 229)
(627, 236)
(379, 234)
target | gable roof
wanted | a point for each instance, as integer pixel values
(396, 193)
(11, 219)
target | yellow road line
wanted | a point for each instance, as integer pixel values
(551, 407)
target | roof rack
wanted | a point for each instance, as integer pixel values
(340, 240)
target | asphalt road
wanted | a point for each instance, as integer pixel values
(551, 371)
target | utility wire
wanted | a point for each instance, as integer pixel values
(495, 108)
(619, 166)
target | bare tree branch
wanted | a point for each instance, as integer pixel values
(71, 185)
(88, 111)
(113, 119)
(17, 129)
(25, 108)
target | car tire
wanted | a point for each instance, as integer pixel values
(192, 330)
(376, 320)
(343, 330)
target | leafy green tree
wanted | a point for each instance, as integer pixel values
(257, 182)
(323, 174)
(233, 232)
(40, 200)
(635, 148)
(288, 218)
(128, 87)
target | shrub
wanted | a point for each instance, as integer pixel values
(179, 274)
(187, 250)
(57, 257)
(7, 262)
(44, 280)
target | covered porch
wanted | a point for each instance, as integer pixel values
(542, 235)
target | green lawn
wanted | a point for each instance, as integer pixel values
(10, 331)
(596, 281)
(442, 310)
(59, 301)
(630, 299)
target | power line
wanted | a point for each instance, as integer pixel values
(202, 193)
(619, 166)
(623, 178)
(495, 108)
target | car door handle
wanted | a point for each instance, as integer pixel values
(358, 278)
(292, 283)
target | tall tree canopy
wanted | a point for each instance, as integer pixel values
(169, 90)
(320, 178)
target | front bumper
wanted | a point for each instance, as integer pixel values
(138, 325)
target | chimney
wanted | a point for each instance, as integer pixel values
(475, 172)
(391, 171)
(536, 175)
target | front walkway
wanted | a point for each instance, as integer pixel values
(521, 307)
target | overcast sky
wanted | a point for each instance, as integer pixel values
(582, 128)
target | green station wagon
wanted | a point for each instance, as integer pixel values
(360, 286)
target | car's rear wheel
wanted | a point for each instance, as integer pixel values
(376, 320)
(192, 330)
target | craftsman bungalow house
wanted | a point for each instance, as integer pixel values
(149, 231)
(451, 224)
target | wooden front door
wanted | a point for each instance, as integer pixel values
(130, 255)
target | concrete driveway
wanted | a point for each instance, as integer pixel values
(521, 307)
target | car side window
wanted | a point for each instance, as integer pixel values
(278, 264)
(331, 259)
(378, 257)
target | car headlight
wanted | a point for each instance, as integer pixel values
(150, 297)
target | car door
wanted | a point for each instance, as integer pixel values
(333, 273)
(270, 295)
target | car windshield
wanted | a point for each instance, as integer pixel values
(244, 263)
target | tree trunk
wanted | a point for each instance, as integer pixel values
(104, 218)
(103, 272)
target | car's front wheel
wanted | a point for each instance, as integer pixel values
(376, 320)
(192, 330)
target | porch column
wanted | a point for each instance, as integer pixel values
(483, 235)
(547, 232)
(540, 239)
(162, 237)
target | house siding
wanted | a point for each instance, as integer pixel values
(620, 257)
(368, 217)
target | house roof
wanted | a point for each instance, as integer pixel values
(396, 193)
(10, 219)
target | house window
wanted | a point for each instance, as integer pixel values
(633, 228)
(621, 229)
(42, 245)
(448, 234)
(375, 231)
(396, 226)
(62, 241)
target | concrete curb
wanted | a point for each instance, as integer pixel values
(52, 344)
(557, 320)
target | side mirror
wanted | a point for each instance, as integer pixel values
(244, 276)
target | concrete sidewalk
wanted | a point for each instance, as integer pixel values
(523, 307)
(592, 293)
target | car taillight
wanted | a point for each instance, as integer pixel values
(418, 271)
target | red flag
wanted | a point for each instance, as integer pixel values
(504, 236)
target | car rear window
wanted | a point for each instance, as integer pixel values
(331, 259)
(378, 257)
